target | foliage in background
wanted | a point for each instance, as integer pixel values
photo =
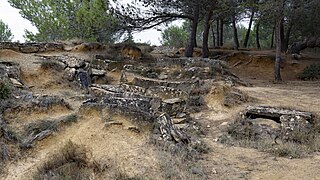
(90, 20)
(174, 36)
(5, 32)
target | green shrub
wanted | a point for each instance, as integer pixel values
(311, 72)
(4, 89)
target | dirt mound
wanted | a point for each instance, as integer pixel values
(222, 96)
(253, 65)
(87, 47)
(9, 53)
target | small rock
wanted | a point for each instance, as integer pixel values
(181, 126)
(223, 126)
(172, 101)
(96, 72)
(208, 126)
(16, 83)
(214, 171)
(196, 170)
(69, 74)
(134, 129)
(179, 120)
(163, 76)
(111, 123)
(181, 115)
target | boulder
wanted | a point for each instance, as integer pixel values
(294, 127)
(69, 74)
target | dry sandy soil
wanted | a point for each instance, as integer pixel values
(131, 152)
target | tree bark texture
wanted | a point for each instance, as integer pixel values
(282, 35)
(193, 32)
(213, 37)
(218, 33)
(277, 69)
(205, 47)
(285, 43)
(235, 33)
(258, 35)
(221, 32)
(246, 40)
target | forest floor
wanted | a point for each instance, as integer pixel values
(131, 153)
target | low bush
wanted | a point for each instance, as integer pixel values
(311, 72)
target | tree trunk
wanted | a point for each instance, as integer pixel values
(257, 35)
(278, 50)
(205, 48)
(311, 42)
(272, 37)
(282, 35)
(287, 39)
(218, 33)
(235, 33)
(246, 40)
(193, 32)
(221, 32)
(213, 37)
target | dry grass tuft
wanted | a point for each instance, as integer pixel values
(52, 65)
(70, 162)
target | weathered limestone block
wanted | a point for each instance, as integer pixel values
(73, 62)
(275, 113)
(173, 106)
(170, 132)
(167, 92)
(293, 124)
(121, 88)
(10, 45)
(54, 47)
(149, 82)
(29, 48)
(143, 106)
